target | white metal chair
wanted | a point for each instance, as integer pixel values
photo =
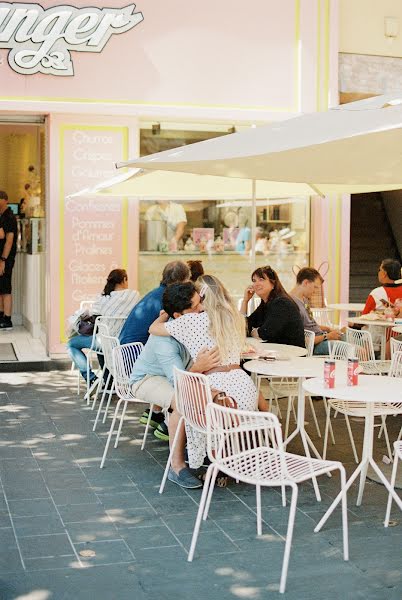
(253, 303)
(396, 371)
(84, 305)
(287, 387)
(324, 316)
(396, 346)
(363, 343)
(309, 337)
(192, 395)
(338, 350)
(380, 409)
(110, 326)
(124, 358)
(248, 446)
(397, 457)
(108, 344)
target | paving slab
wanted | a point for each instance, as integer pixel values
(55, 502)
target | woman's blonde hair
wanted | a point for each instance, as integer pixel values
(226, 325)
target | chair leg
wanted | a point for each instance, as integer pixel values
(200, 513)
(101, 402)
(327, 421)
(258, 505)
(144, 437)
(123, 414)
(317, 428)
(214, 474)
(289, 534)
(392, 483)
(384, 427)
(98, 389)
(109, 437)
(108, 403)
(288, 417)
(172, 449)
(344, 515)
(400, 436)
(352, 440)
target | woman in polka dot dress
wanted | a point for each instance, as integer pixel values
(219, 325)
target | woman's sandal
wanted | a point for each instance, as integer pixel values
(220, 481)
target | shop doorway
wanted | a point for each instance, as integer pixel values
(22, 177)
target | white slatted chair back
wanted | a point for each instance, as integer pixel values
(86, 304)
(323, 316)
(193, 394)
(363, 343)
(124, 358)
(396, 346)
(233, 432)
(108, 344)
(396, 365)
(113, 324)
(339, 350)
(252, 304)
(309, 337)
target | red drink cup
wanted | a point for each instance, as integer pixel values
(329, 374)
(353, 371)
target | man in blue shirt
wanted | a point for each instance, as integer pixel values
(144, 313)
(152, 376)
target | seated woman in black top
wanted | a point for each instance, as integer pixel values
(277, 319)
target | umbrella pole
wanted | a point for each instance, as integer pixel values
(253, 222)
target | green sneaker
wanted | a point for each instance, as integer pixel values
(161, 432)
(156, 418)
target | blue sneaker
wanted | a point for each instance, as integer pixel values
(184, 478)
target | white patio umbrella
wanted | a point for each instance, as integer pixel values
(359, 144)
(165, 185)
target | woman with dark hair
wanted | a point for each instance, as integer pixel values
(277, 318)
(196, 269)
(115, 300)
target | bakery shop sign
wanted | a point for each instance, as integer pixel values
(40, 40)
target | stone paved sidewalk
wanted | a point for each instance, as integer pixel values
(56, 502)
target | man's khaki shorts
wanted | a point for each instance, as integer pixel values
(155, 390)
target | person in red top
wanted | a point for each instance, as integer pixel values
(390, 289)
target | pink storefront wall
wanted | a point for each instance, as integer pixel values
(225, 61)
(88, 237)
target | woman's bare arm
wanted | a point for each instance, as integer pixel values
(158, 326)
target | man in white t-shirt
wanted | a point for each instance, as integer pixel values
(175, 217)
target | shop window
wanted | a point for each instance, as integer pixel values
(219, 233)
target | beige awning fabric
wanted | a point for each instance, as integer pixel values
(163, 185)
(353, 148)
(187, 187)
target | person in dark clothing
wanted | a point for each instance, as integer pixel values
(8, 250)
(196, 269)
(277, 319)
(144, 313)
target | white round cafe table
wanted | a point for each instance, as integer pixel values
(282, 349)
(371, 389)
(385, 325)
(397, 329)
(355, 307)
(300, 368)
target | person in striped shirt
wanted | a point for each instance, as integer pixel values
(115, 300)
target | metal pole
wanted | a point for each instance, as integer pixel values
(253, 221)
